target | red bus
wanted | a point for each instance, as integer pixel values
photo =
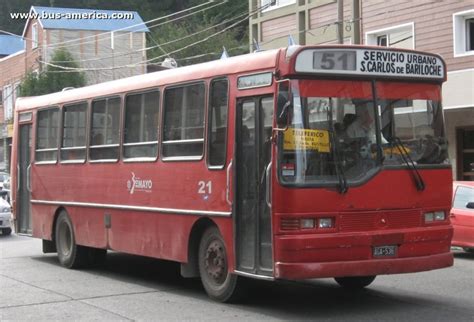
(297, 163)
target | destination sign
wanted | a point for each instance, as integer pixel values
(376, 62)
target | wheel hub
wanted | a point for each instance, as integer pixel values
(215, 262)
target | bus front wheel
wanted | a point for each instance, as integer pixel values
(355, 282)
(70, 254)
(219, 284)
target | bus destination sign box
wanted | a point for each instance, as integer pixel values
(367, 62)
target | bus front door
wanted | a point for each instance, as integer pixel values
(23, 214)
(253, 161)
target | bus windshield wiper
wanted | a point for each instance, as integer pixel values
(420, 183)
(343, 188)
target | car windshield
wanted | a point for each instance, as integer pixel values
(339, 129)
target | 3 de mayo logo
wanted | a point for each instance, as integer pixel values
(137, 184)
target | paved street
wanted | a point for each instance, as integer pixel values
(34, 287)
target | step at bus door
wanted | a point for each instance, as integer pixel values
(253, 162)
(23, 214)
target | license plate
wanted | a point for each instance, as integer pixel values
(385, 251)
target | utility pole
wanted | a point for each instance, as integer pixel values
(340, 21)
(356, 21)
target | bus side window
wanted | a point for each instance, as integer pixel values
(73, 145)
(47, 135)
(141, 125)
(183, 126)
(104, 136)
(217, 136)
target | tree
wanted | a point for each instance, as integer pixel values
(177, 39)
(54, 78)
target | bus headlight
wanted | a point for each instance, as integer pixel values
(429, 217)
(307, 223)
(326, 223)
(439, 216)
(434, 216)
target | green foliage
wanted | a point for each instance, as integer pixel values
(174, 37)
(53, 79)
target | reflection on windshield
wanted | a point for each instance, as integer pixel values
(333, 130)
(419, 126)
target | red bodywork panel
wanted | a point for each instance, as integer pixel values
(373, 214)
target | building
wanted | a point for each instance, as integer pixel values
(442, 27)
(106, 48)
(106, 44)
(12, 49)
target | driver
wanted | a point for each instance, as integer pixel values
(362, 126)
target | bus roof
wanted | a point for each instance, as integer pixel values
(232, 65)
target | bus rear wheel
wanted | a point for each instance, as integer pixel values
(355, 282)
(70, 254)
(219, 284)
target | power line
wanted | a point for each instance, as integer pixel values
(130, 52)
(112, 32)
(161, 56)
(139, 24)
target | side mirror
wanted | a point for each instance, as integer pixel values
(284, 105)
(470, 205)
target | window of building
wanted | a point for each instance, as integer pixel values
(47, 135)
(34, 35)
(382, 40)
(73, 145)
(401, 36)
(183, 128)
(217, 138)
(105, 125)
(274, 4)
(465, 153)
(141, 125)
(463, 31)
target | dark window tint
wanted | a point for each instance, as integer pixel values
(462, 197)
(141, 125)
(218, 123)
(183, 132)
(105, 124)
(74, 132)
(47, 135)
(470, 34)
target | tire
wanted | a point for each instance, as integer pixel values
(219, 284)
(70, 254)
(6, 231)
(355, 282)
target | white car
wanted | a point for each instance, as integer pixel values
(5, 217)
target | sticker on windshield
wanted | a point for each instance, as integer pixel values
(303, 139)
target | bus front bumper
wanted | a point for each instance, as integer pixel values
(318, 256)
(298, 271)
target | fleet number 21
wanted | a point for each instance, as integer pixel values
(205, 187)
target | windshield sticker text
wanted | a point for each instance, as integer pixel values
(303, 139)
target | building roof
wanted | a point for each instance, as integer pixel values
(87, 19)
(10, 44)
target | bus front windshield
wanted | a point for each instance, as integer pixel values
(339, 131)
